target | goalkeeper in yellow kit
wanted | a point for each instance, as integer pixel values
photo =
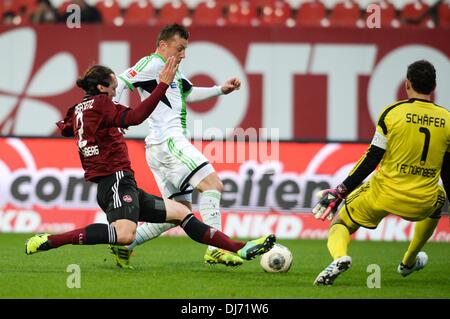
(411, 146)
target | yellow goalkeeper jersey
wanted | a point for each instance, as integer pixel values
(417, 136)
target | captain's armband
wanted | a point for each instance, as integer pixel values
(379, 140)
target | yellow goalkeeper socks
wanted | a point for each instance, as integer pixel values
(422, 232)
(338, 240)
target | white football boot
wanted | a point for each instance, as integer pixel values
(329, 274)
(421, 262)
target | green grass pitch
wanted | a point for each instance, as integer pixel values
(173, 268)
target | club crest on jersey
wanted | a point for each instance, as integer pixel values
(131, 74)
(127, 198)
(173, 85)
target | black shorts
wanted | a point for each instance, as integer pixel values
(120, 198)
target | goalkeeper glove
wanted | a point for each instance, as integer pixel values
(330, 199)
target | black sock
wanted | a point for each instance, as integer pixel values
(194, 228)
(100, 234)
(89, 235)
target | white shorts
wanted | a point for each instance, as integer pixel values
(178, 167)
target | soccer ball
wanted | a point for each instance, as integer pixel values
(278, 259)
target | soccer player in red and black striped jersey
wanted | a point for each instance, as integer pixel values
(95, 123)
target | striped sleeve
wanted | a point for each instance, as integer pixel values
(365, 166)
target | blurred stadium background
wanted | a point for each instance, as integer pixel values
(315, 71)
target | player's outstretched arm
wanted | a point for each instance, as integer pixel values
(145, 108)
(330, 199)
(198, 94)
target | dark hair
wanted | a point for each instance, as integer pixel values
(422, 75)
(96, 74)
(170, 30)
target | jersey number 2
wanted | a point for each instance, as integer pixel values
(426, 145)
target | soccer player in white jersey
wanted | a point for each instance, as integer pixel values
(177, 165)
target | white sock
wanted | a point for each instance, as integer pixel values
(210, 209)
(148, 231)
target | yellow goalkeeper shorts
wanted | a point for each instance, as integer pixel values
(364, 208)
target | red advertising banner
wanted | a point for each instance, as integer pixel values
(309, 83)
(267, 187)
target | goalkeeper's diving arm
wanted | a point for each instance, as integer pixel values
(365, 166)
(330, 199)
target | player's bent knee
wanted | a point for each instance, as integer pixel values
(219, 186)
(211, 182)
(125, 231)
(215, 185)
(126, 238)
